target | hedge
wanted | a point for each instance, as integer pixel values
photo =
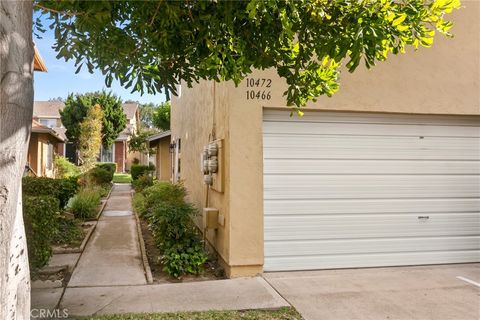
(41, 216)
(138, 170)
(62, 189)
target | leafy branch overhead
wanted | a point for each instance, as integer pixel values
(152, 45)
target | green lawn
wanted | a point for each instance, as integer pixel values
(281, 314)
(122, 178)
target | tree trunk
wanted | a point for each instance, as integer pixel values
(16, 105)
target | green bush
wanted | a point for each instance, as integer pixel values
(185, 257)
(62, 189)
(84, 204)
(69, 231)
(100, 175)
(138, 170)
(64, 168)
(143, 182)
(171, 223)
(138, 203)
(162, 192)
(109, 166)
(40, 214)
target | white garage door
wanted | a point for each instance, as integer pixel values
(359, 190)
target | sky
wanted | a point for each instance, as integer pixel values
(60, 80)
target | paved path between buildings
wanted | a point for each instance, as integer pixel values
(110, 279)
(112, 257)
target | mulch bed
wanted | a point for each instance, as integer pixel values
(212, 270)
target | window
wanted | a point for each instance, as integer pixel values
(49, 122)
(106, 155)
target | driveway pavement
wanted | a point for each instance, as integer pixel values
(427, 292)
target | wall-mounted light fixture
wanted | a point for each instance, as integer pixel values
(172, 146)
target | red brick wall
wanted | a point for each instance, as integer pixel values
(119, 155)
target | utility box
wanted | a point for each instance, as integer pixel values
(210, 218)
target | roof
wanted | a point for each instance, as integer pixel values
(38, 63)
(159, 136)
(130, 109)
(37, 127)
(47, 109)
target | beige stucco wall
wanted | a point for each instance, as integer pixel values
(163, 160)
(442, 80)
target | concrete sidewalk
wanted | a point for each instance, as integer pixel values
(230, 294)
(112, 257)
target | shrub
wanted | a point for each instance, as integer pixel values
(69, 231)
(138, 170)
(109, 166)
(176, 236)
(138, 203)
(184, 257)
(41, 224)
(171, 223)
(62, 189)
(162, 192)
(64, 168)
(144, 181)
(84, 204)
(100, 175)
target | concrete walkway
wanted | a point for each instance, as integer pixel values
(112, 257)
(230, 294)
(110, 279)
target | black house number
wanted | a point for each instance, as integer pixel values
(258, 88)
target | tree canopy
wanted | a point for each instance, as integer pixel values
(76, 110)
(152, 45)
(161, 116)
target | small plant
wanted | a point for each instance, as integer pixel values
(64, 168)
(144, 181)
(40, 214)
(138, 170)
(187, 257)
(84, 204)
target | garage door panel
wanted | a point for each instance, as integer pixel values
(372, 206)
(310, 142)
(283, 248)
(369, 260)
(366, 117)
(349, 166)
(347, 189)
(310, 227)
(356, 129)
(373, 186)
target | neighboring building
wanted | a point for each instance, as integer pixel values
(48, 114)
(164, 153)
(43, 144)
(384, 173)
